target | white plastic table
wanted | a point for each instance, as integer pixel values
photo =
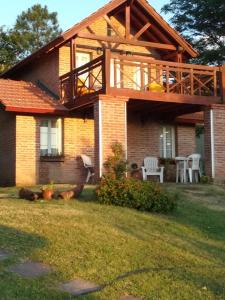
(184, 160)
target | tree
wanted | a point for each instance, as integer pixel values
(33, 29)
(7, 51)
(202, 22)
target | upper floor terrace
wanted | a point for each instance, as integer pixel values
(142, 78)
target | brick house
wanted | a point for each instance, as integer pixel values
(122, 74)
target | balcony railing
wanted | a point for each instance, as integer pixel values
(135, 76)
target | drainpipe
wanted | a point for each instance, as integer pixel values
(212, 143)
(100, 137)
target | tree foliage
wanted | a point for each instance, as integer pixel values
(33, 29)
(202, 22)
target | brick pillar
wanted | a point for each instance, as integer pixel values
(110, 115)
(215, 142)
(27, 148)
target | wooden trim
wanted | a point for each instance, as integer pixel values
(127, 42)
(127, 21)
(164, 97)
(107, 72)
(158, 33)
(72, 54)
(141, 31)
(222, 80)
(168, 28)
(180, 120)
(35, 110)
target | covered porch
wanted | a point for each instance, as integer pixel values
(144, 128)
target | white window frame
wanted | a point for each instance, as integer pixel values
(59, 136)
(163, 130)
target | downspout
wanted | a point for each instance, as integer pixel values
(100, 137)
(126, 146)
(212, 143)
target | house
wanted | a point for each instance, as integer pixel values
(122, 74)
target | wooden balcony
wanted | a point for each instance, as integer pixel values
(142, 78)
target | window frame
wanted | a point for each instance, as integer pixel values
(59, 122)
(163, 130)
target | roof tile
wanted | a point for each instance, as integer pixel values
(25, 96)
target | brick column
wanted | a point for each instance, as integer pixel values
(110, 115)
(27, 149)
(215, 142)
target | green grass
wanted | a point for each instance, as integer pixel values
(178, 256)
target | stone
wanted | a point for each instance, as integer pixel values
(3, 254)
(79, 287)
(31, 269)
(5, 196)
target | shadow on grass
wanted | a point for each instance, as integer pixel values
(20, 242)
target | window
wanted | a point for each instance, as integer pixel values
(110, 31)
(51, 137)
(167, 142)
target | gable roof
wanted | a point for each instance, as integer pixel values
(109, 7)
(22, 96)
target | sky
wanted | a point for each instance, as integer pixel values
(69, 11)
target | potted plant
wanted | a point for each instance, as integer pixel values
(48, 191)
(135, 171)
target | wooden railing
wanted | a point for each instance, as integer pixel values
(113, 72)
(84, 80)
(146, 74)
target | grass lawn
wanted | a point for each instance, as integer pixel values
(179, 256)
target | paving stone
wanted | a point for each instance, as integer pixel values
(2, 196)
(129, 298)
(79, 287)
(30, 269)
(4, 254)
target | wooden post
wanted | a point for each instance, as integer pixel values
(72, 54)
(222, 70)
(179, 74)
(107, 70)
(72, 66)
(127, 22)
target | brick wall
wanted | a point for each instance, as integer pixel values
(7, 148)
(143, 139)
(45, 69)
(185, 140)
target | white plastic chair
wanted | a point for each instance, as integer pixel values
(88, 165)
(151, 168)
(194, 167)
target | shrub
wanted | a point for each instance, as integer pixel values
(116, 165)
(204, 180)
(128, 192)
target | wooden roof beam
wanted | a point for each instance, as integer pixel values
(141, 31)
(127, 22)
(107, 19)
(141, 16)
(127, 42)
